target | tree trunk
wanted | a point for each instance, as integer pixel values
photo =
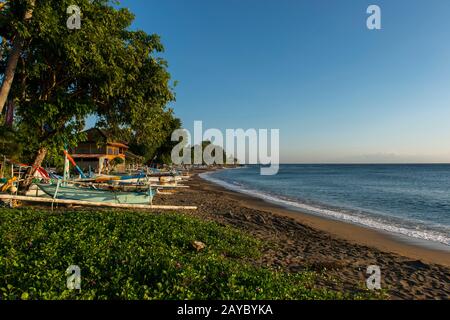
(9, 119)
(10, 71)
(40, 156)
(18, 44)
(2, 45)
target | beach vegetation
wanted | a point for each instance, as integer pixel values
(138, 255)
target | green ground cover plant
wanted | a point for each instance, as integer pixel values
(136, 255)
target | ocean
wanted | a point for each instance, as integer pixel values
(408, 200)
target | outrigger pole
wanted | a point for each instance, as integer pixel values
(95, 204)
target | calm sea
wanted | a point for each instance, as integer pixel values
(411, 200)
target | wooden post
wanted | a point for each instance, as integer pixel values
(66, 175)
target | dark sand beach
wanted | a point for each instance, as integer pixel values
(297, 241)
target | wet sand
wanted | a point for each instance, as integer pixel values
(298, 241)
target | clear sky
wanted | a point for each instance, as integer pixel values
(337, 91)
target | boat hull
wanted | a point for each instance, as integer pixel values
(95, 195)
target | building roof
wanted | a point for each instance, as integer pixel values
(87, 155)
(118, 144)
(95, 155)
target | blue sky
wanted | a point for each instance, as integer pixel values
(337, 91)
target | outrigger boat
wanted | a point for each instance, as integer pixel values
(71, 192)
(108, 193)
(136, 178)
(130, 180)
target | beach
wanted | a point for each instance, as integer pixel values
(297, 241)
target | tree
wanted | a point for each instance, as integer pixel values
(158, 151)
(102, 69)
(137, 111)
(10, 146)
(17, 44)
(206, 143)
(163, 153)
(117, 161)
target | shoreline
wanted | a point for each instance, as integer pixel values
(413, 248)
(295, 241)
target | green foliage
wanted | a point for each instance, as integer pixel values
(116, 162)
(158, 152)
(213, 153)
(103, 69)
(125, 255)
(9, 144)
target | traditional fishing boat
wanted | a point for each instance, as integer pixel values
(99, 178)
(137, 179)
(71, 192)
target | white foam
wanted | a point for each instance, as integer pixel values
(371, 222)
